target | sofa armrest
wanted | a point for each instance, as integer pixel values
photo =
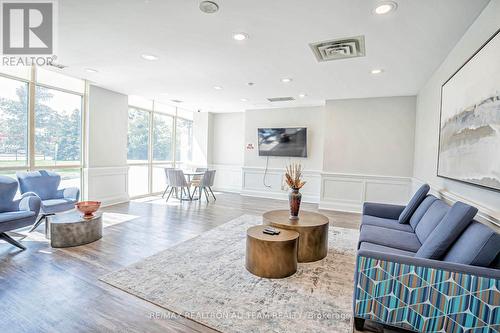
(423, 294)
(68, 193)
(30, 203)
(386, 211)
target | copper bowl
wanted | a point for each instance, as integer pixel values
(88, 208)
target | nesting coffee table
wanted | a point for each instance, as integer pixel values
(71, 229)
(312, 228)
(271, 256)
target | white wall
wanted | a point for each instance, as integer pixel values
(201, 145)
(227, 139)
(368, 151)
(427, 120)
(254, 165)
(106, 170)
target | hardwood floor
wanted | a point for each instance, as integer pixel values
(57, 290)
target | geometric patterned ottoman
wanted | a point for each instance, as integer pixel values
(425, 299)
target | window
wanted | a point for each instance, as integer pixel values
(138, 135)
(56, 140)
(58, 132)
(158, 137)
(13, 123)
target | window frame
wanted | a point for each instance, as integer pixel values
(31, 152)
(150, 163)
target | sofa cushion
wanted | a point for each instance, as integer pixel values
(11, 216)
(447, 231)
(385, 223)
(478, 245)
(431, 219)
(421, 210)
(57, 205)
(417, 199)
(398, 239)
(386, 249)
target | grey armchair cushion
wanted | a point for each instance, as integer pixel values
(478, 245)
(43, 183)
(406, 241)
(57, 205)
(385, 223)
(8, 189)
(417, 199)
(447, 231)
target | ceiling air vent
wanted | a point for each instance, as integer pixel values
(280, 99)
(339, 48)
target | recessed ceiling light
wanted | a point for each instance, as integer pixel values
(239, 36)
(377, 71)
(217, 87)
(149, 57)
(244, 100)
(209, 7)
(91, 70)
(385, 7)
(302, 95)
(286, 80)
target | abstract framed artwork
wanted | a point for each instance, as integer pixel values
(469, 135)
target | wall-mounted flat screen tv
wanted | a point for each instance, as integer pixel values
(288, 142)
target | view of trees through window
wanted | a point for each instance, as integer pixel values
(57, 130)
(147, 128)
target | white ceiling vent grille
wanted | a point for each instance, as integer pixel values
(339, 48)
(280, 99)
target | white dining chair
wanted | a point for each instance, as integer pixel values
(177, 180)
(166, 181)
(205, 185)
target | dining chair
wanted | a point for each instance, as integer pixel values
(166, 181)
(205, 185)
(197, 178)
(176, 180)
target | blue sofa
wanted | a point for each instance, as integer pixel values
(427, 267)
(45, 185)
(15, 214)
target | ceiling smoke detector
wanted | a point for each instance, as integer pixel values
(339, 48)
(280, 99)
(209, 7)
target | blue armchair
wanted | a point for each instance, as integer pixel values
(15, 214)
(45, 184)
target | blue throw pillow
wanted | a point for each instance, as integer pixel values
(447, 231)
(414, 203)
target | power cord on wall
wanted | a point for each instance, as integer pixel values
(265, 174)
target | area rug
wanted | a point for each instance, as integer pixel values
(204, 279)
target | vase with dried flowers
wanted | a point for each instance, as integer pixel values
(293, 178)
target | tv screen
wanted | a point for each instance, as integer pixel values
(289, 142)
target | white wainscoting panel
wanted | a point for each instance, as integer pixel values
(228, 177)
(273, 187)
(107, 184)
(348, 192)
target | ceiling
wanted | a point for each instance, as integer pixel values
(197, 52)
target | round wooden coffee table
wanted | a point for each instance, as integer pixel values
(271, 256)
(71, 229)
(312, 228)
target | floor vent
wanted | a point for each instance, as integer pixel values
(280, 99)
(339, 48)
